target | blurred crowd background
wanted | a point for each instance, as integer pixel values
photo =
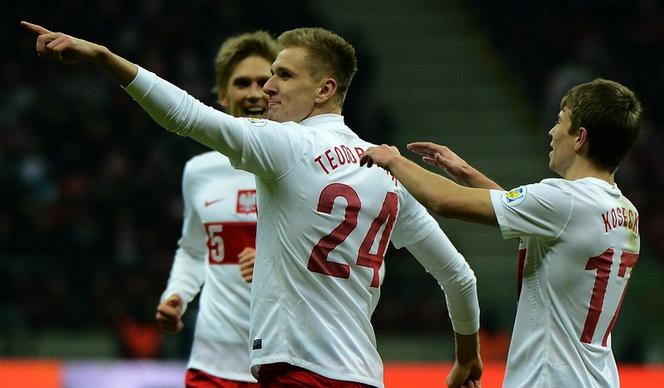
(90, 201)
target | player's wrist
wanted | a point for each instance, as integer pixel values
(100, 55)
(395, 163)
(467, 348)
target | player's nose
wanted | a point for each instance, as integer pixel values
(255, 92)
(269, 87)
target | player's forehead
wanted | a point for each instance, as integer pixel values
(253, 66)
(565, 115)
(290, 58)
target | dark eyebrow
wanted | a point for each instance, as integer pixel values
(283, 69)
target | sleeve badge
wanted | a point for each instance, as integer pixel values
(257, 122)
(515, 196)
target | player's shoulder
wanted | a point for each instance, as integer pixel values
(328, 125)
(554, 182)
(206, 159)
(587, 186)
(598, 190)
(549, 190)
(551, 184)
(554, 190)
(270, 125)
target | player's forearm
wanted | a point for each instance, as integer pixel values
(424, 185)
(444, 196)
(441, 259)
(473, 178)
(120, 69)
(186, 277)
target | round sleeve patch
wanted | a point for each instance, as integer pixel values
(515, 196)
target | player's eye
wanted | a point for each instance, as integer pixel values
(242, 82)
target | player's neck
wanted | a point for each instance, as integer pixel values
(583, 168)
(325, 108)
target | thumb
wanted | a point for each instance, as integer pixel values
(37, 29)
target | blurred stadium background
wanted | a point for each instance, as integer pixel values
(90, 206)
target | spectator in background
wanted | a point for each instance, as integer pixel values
(219, 230)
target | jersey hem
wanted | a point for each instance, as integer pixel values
(236, 376)
(256, 363)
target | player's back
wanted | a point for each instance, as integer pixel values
(323, 226)
(326, 224)
(573, 286)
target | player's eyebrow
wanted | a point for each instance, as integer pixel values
(282, 69)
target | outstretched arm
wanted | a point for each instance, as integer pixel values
(68, 49)
(444, 158)
(441, 195)
(171, 107)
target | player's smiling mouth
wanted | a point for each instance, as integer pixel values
(254, 111)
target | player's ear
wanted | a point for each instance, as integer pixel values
(326, 91)
(581, 139)
(222, 99)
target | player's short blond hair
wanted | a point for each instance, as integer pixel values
(329, 55)
(235, 49)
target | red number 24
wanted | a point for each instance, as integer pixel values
(318, 259)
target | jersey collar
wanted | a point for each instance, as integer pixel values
(324, 119)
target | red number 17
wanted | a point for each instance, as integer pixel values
(602, 264)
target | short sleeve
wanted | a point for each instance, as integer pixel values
(540, 209)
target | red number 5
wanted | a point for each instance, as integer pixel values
(318, 259)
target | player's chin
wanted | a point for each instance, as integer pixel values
(272, 115)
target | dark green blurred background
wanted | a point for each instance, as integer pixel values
(90, 203)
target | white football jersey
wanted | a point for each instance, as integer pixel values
(581, 241)
(323, 227)
(219, 222)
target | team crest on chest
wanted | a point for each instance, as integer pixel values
(246, 201)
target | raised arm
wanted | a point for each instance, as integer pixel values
(171, 107)
(67, 49)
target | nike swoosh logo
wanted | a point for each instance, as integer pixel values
(210, 203)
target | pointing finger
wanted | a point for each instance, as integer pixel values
(37, 29)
